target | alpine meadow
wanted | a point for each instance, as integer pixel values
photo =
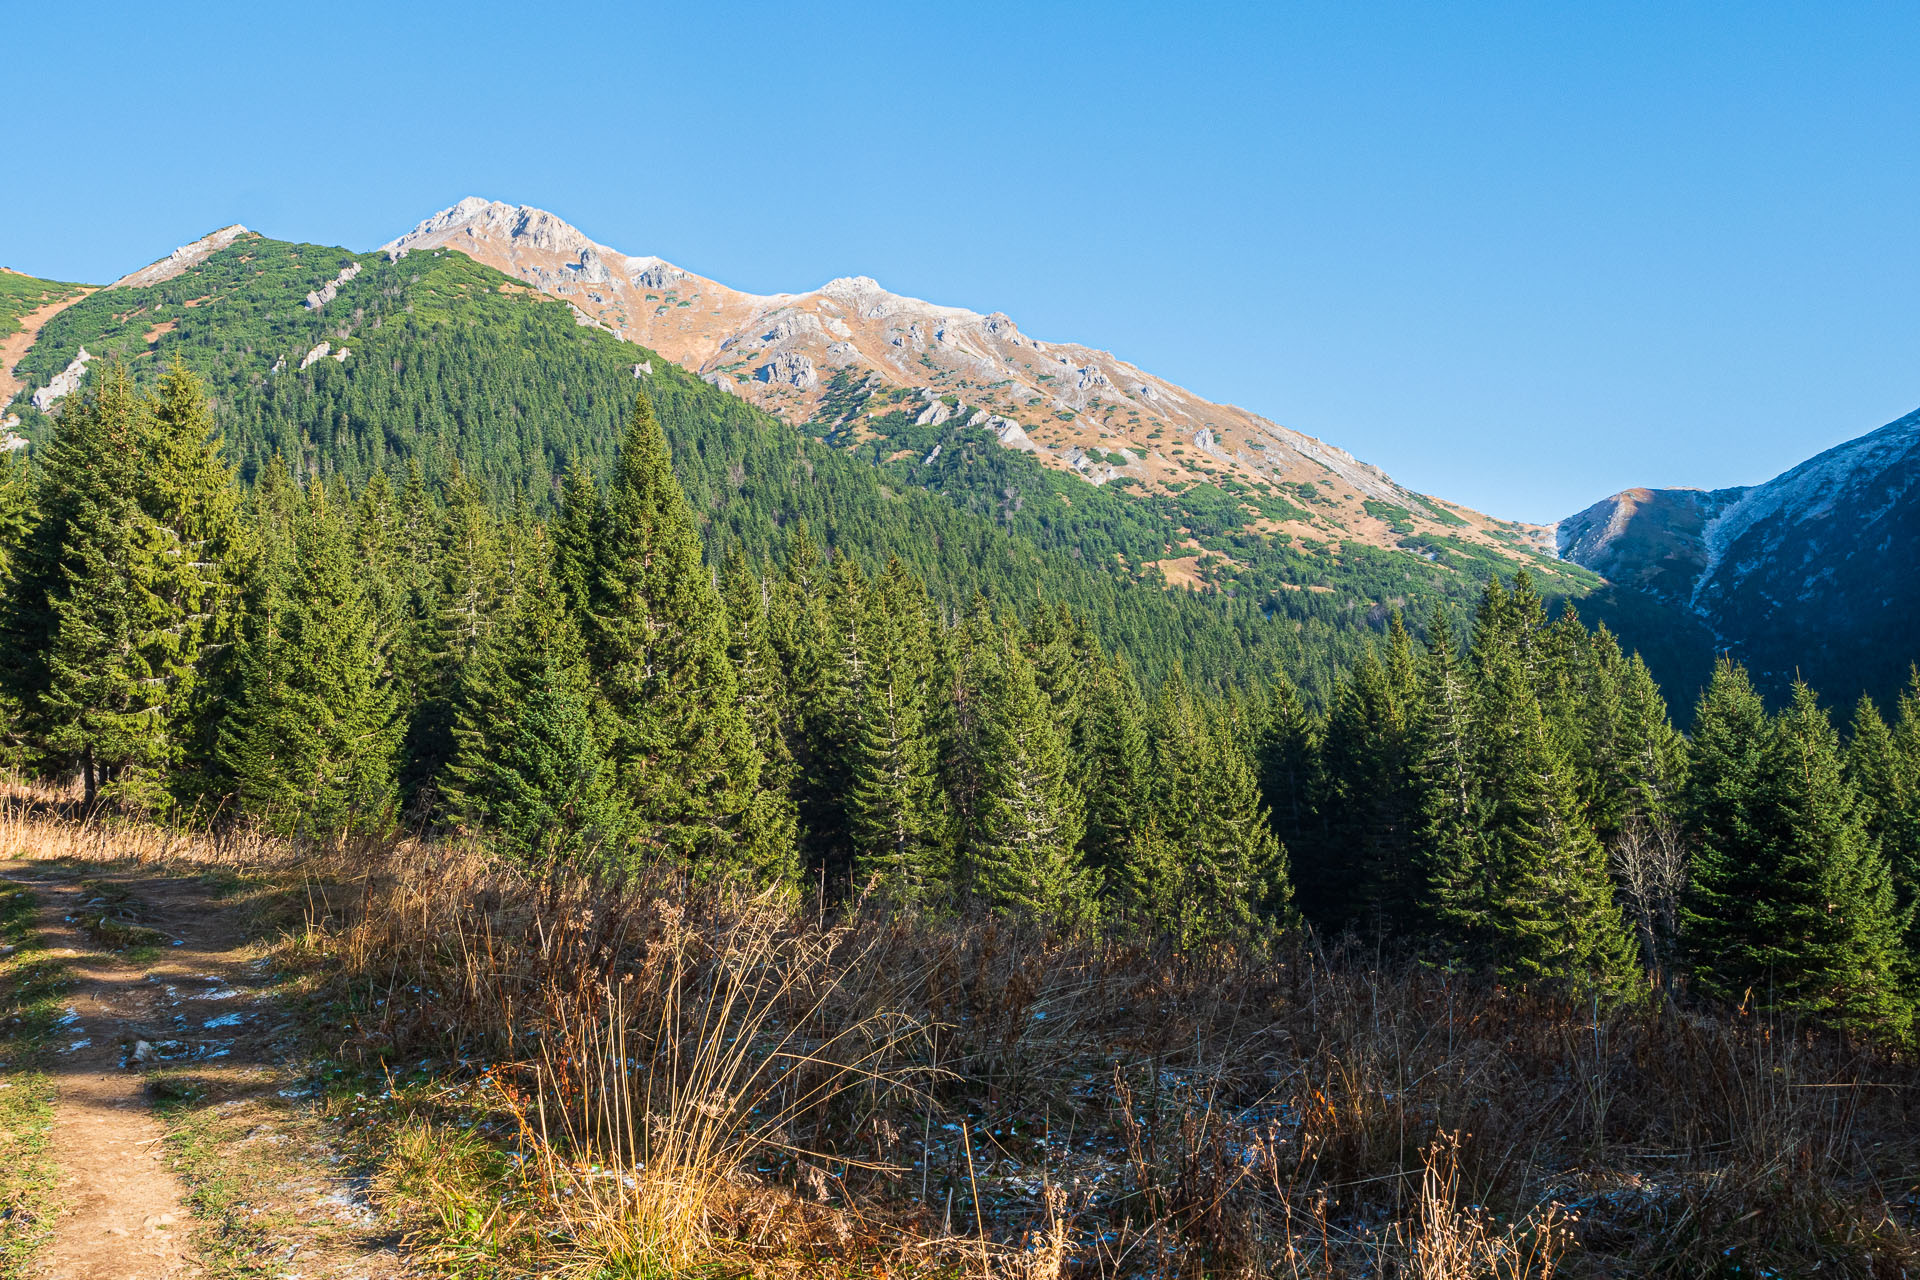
(517, 759)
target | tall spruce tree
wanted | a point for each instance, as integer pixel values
(1210, 867)
(464, 596)
(199, 551)
(1457, 893)
(1552, 916)
(1023, 858)
(1900, 826)
(16, 521)
(1832, 944)
(657, 635)
(763, 697)
(896, 809)
(311, 732)
(1288, 762)
(1365, 875)
(1117, 768)
(120, 587)
(1723, 925)
(530, 769)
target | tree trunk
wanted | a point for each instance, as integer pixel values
(89, 780)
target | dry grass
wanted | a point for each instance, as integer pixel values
(644, 1076)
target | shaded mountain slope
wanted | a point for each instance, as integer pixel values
(1813, 571)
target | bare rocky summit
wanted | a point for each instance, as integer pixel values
(187, 255)
(851, 349)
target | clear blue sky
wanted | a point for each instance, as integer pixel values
(1520, 255)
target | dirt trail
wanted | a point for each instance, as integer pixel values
(16, 345)
(201, 1005)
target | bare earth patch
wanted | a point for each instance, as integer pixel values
(182, 1137)
(14, 346)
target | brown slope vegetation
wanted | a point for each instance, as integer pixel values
(16, 344)
(851, 348)
(578, 1074)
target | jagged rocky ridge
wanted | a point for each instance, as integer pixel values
(851, 350)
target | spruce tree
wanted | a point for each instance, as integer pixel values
(1288, 762)
(773, 820)
(1024, 855)
(312, 730)
(1552, 916)
(530, 769)
(1900, 828)
(1457, 892)
(1653, 755)
(199, 553)
(1832, 943)
(968, 674)
(464, 592)
(99, 639)
(798, 634)
(657, 636)
(16, 521)
(1722, 925)
(1366, 875)
(1213, 868)
(896, 810)
(576, 531)
(16, 508)
(1116, 767)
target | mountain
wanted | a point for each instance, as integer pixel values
(362, 364)
(1811, 572)
(859, 361)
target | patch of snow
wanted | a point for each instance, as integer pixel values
(1809, 491)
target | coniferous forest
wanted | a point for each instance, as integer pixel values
(588, 690)
(1498, 810)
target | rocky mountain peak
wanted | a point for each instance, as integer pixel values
(868, 352)
(520, 225)
(187, 255)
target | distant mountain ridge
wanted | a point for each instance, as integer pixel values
(1816, 570)
(850, 352)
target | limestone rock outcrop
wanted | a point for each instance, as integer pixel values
(63, 383)
(329, 291)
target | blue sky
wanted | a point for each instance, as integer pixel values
(1519, 255)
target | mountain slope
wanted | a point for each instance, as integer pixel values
(863, 362)
(356, 364)
(1812, 571)
(26, 304)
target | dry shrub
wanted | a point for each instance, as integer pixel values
(687, 1072)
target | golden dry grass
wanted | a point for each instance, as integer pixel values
(640, 1075)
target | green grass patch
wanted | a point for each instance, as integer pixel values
(231, 1233)
(30, 987)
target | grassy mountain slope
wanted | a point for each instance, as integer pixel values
(26, 302)
(449, 361)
